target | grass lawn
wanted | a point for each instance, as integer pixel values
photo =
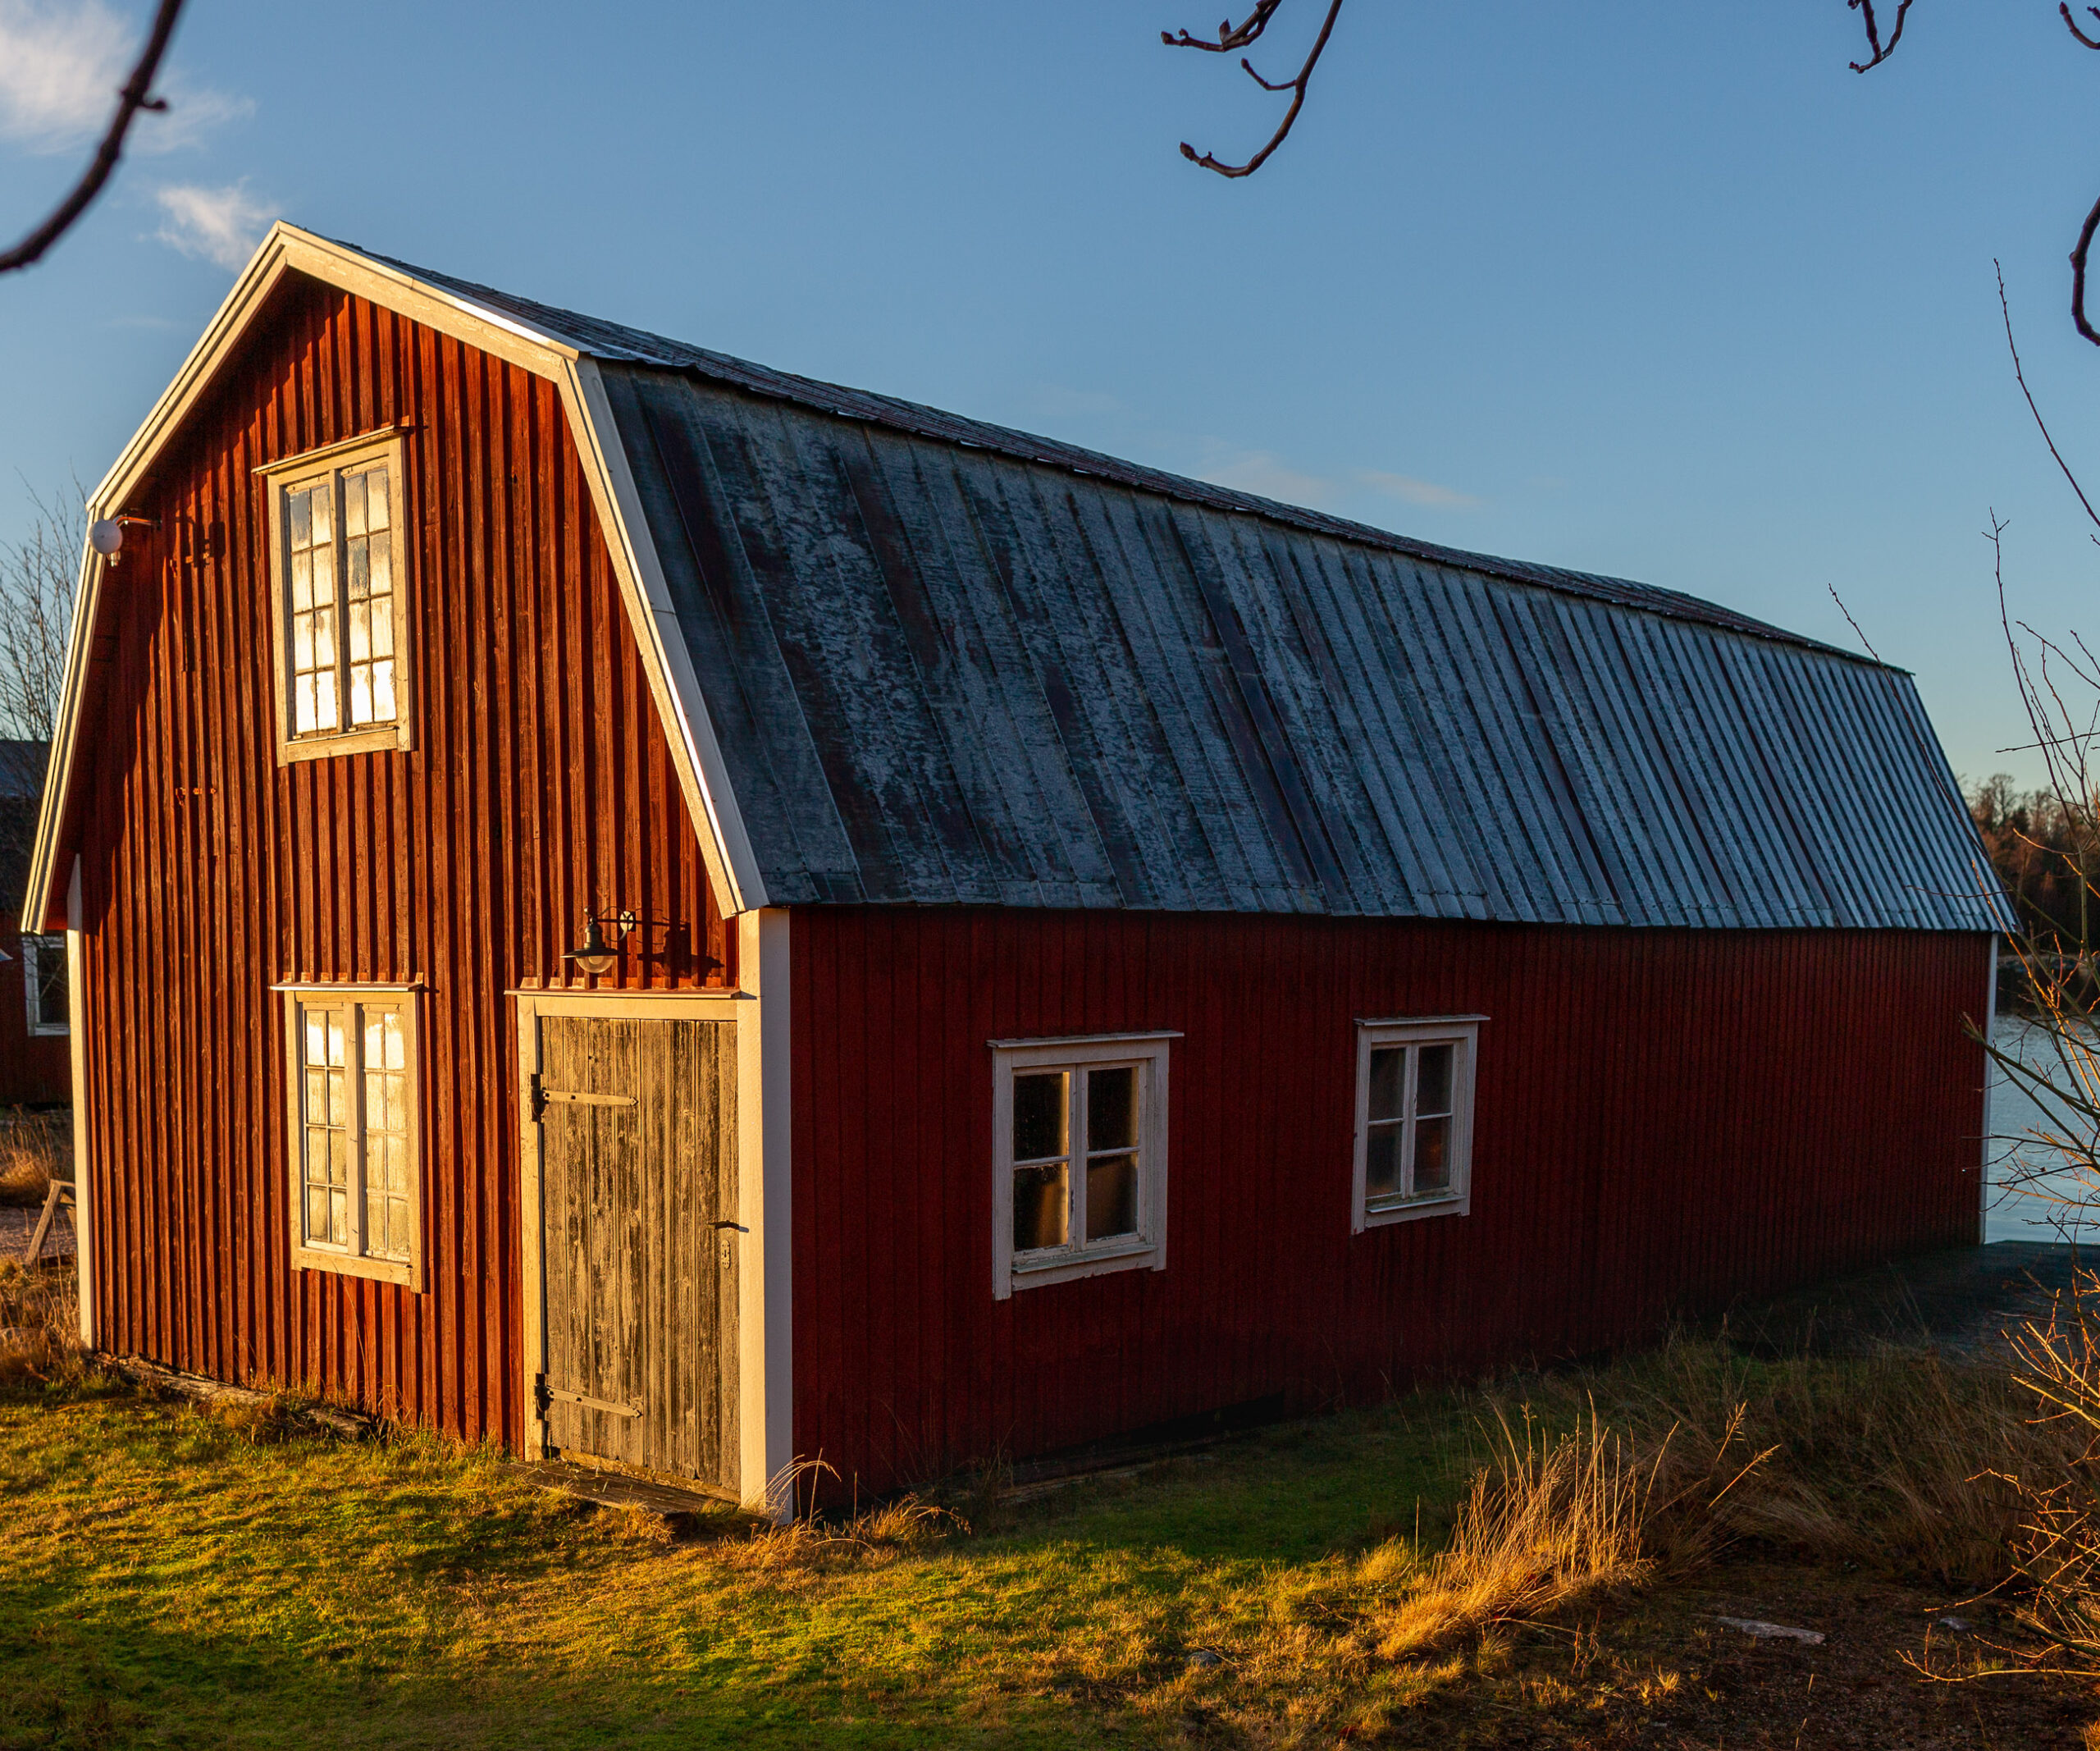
(169, 1576)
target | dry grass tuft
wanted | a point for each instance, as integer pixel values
(813, 1545)
(1552, 1521)
(39, 1324)
(35, 1147)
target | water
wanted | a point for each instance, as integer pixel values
(2010, 1215)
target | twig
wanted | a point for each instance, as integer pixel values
(136, 96)
(1231, 36)
(1881, 51)
(1852, 622)
(2071, 24)
(2092, 221)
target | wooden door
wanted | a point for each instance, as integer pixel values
(638, 1252)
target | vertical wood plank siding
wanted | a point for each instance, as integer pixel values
(35, 1068)
(539, 783)
(1666, 1119)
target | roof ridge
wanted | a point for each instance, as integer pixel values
(620, 343)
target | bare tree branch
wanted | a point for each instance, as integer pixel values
(36, 602)
(2022, 377)
(136, 96)
(1231, 36)
(2071, 24)
(1880, 50)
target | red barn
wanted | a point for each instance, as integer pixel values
(34, 1047)
(659, 910)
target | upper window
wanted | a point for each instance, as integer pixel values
(342, 636)
(356, 1180)
(1414, 1119)
(43, 983)
(1079, 1181)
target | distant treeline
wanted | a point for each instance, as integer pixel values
(2046, 859)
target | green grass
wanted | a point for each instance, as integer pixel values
(165, 1579)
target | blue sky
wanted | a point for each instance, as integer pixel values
(1660, 290)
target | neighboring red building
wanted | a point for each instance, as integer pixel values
(659, 910)
(33, 1061)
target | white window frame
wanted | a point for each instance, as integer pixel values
(1148, 1054)
(294, 474)
(1461, 1031)
(35, 948)
(351, 1260)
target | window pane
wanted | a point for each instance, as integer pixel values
(317, 1213)
(1112, 1111)
(303, 721)
(335, 1037)
(51, 977)
(338, 1219)
(323, 498)
(324, 576)
(316, 1097)
(302, 644)
(324, 698)
(360, 693)
(301, 580)
(353, 504)
(1039, 1118)
(382, 626)
(380, 559)
(382, 694)
(394, 1040)
(1432, 1154)
(360, 632)
(358, 559)
(1042, 1205)
(1432, 1091)
(375, 1108)
(1389, 1066)
(302, 512)
(338, 1158)
(376, 516)
(1381, 1161)
(317, 1036)
(1112, 1196)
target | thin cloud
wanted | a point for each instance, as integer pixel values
(216, 224)
(1410, 491)
(1268, 475)
(60, 72)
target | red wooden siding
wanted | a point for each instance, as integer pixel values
(541, 783)
(1666, 1119)
(35, 1068)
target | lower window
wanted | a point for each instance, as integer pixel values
(43, 983)
(356, 1169)
(1414, 1114)
(1079, 1186)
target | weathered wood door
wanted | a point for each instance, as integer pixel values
(638, 1252)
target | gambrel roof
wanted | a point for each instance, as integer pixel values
(910, 658)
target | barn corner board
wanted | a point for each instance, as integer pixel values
(683, 917)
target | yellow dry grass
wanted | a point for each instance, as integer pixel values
(35, 1147)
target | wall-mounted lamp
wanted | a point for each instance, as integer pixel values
(106, 536)
(593, 954)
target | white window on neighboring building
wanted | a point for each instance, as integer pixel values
(342, 630)
(1080, 1141)
(44, 984)
(1414, 1119)
(356, 1162)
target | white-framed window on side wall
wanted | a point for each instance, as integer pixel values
(354, 1096)
(1414, 1119)
(338, 565)
(1078, 1130)
(44, 983)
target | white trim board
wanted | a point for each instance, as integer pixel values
(702, 776)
